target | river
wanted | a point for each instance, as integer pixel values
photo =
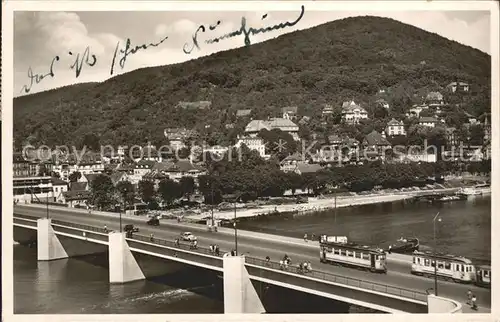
(80, 286)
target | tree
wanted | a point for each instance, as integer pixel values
(187, 186)
(278, 142)
(476, 135)
(75, 176)
(102, 192)
(169, 190)
(92, 142)
(146, 190)
(126, 192)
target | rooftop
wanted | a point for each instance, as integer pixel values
(257, 126)
(394, 122)
(280, 122)
(195, 105)
(289, 109)
(434, 96)
(244, 112)
(375, 138)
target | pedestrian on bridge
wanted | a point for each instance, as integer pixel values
(474, 305)
(151, 237)
(312, 237)
(217, 250)
(469, 297)
(305, 237)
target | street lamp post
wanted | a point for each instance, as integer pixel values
(335, 208)
(124, 207)
(47, 204)
(212, 205)
(235, 231)
(435, 255)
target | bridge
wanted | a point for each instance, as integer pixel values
(403, 293)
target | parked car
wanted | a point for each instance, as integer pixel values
(188, 236)
(153, 222)
(131, 228)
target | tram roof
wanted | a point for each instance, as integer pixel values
(485, 267)
(353, 246)
(443, 256)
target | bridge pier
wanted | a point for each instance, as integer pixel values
(240, 295)
(123, 267)
(49, 246)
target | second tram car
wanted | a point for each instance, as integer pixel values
(483, 275)
(458, 269)
(353, 255)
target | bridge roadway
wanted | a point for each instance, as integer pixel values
(398, 270)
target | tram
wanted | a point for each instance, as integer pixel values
(353, 255)
(483, 276)
(457, 269)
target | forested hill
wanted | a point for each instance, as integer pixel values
(345, 59)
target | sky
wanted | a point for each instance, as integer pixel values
(41, 36)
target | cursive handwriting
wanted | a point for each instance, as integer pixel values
(242, 31)
(78, 64)
(37, 78)
(130, 51)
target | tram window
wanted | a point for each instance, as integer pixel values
(447, 265)
(414, 260)
(366, 256)
(440, 265)
(426, 262)
(348, 253)
(418, 260)
(433, 263)
(357, 255)
(486, 273)
(342, 252)
(337, 251)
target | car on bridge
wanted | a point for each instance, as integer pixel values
(153, 222)
(188, 236)
(130, 228)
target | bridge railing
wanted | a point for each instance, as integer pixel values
(172, 244)
(26, 217)
(80, 226)
(383, 288)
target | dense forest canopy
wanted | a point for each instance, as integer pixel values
(352, 58)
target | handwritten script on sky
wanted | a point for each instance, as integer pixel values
(123, 51)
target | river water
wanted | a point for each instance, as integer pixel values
(80, 286)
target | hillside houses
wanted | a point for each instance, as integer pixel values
(383, 103)
(255, 126)
(434, 99)
(289, 112)
(395, 127)
(457, 87)
(352, 113)
(253, 143)
(376, 143)
(327, 110)
(428, 121)
(178, 136)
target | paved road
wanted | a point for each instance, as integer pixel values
(274, 247)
